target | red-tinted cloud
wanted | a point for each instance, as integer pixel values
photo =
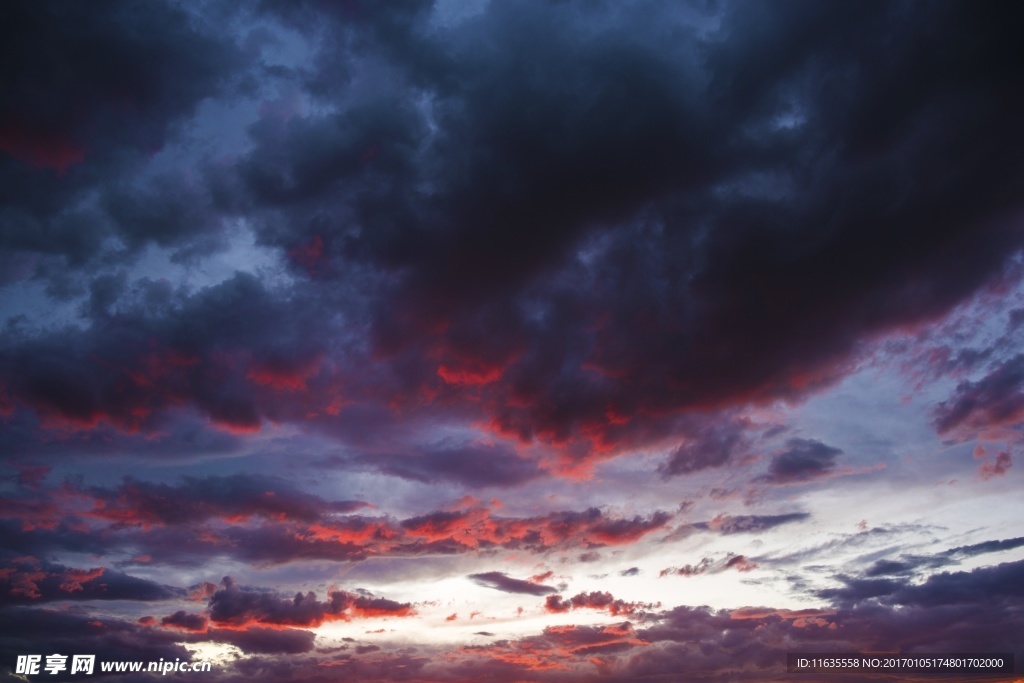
(27, 580)
(513, 283)
(996, 468)
(266, 520)
(800, 617)
(234, 498)
(560, 650)
(516, 243)
(234, 606)
(995, 400)
(598, 600)
(708, 565)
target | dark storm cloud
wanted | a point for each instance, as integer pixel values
(266, 521)
(64, 534)
(172, 211)
(474, 465)
(152, 348)
(699, 643)
(987, 547)
(856, 590)
(693, 222)
(405, 664)
(909, 564)
(715, 646)
(559, 222)
(200, 499)
(194, 544)
(966, 611)
(185, 436)
(996, 399)
(1001, 583)
(185, 621)
(27, 581)
(652, 238)
(90, 93)
(890, 568)
(236, 606)
(703, 644)
(740, 524)
(803, 460)
(25, 631)
(713, 446)
(31, 476)
(505, 583)
(264, 544)
(593, 228)
(996, 584)
(168, 372)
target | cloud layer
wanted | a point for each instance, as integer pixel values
(501, 341)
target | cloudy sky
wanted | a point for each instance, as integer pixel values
(548, 341)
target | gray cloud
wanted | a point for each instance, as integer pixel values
(803, 460)
(505, 583)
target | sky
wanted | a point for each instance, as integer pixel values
(510, 341)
